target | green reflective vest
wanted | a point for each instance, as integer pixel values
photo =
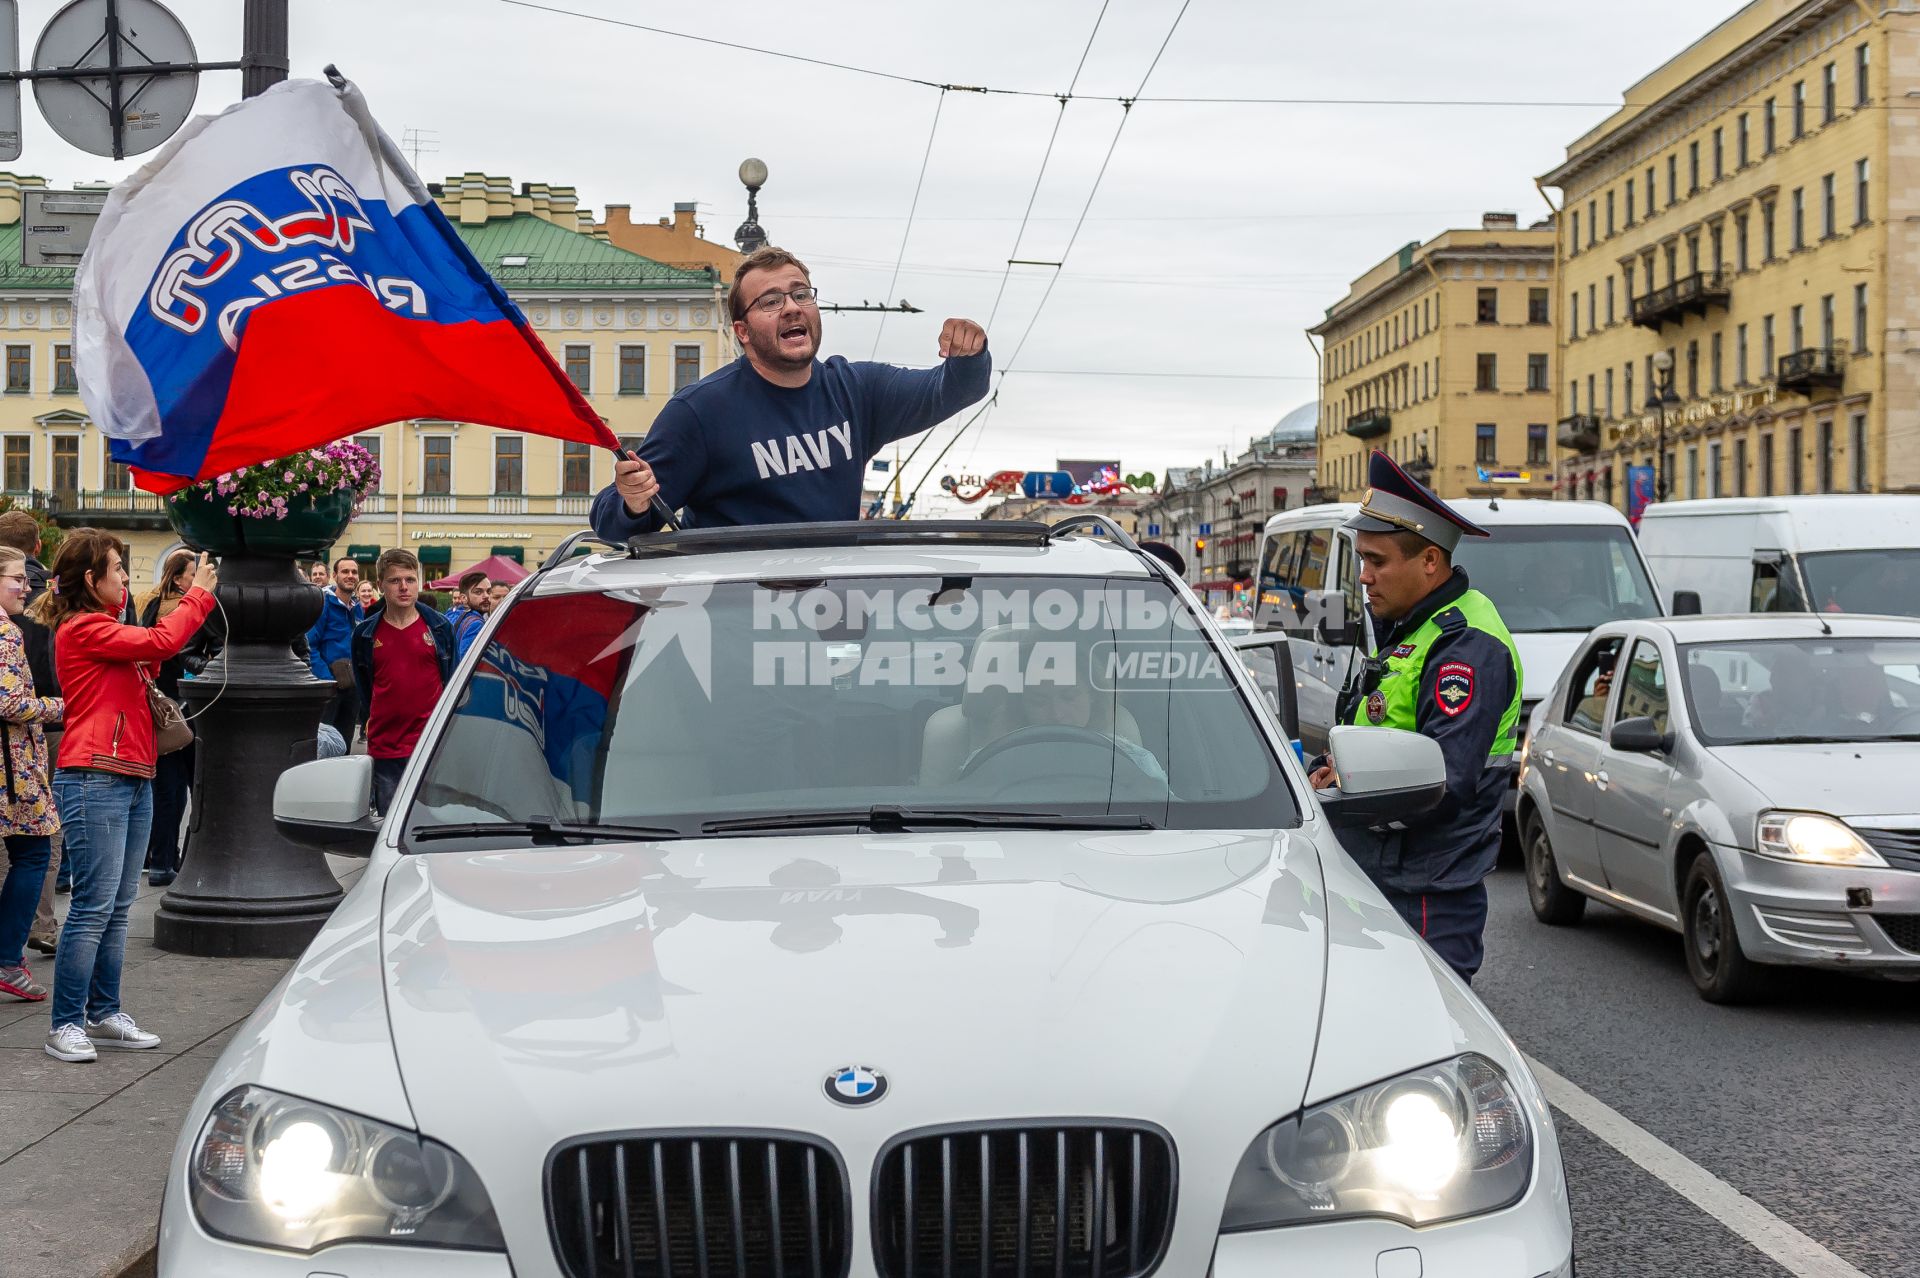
(1395, 702)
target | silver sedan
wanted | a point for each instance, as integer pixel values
(1746, 780)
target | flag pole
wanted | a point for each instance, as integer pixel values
(669, 522)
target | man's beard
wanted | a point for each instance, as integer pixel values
(766, 348)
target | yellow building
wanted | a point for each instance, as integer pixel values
(1745, 216)
(627, 329)
(680, 242)
(1442, 356)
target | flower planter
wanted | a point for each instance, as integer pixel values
(314, 522)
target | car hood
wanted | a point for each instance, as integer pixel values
(541, 994)
(1543, 655)
(1850, 780)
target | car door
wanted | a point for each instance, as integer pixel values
(1567, 754)
(1313, 657)
(1630, 812)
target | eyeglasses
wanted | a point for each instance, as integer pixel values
(770, 303)
(13, 576)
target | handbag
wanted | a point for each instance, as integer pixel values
(171, 731)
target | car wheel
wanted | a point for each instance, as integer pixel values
(1553, 902)
(1721, 971)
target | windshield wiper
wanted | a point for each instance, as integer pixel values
(541, 830)
(884, 819)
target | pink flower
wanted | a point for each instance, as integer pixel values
(233, 510)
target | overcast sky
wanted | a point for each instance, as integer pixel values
(1218, 233)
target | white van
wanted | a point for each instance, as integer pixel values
(1554, 569)
(1847, 552)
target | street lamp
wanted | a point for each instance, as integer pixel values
(749, 236)
(1659, 395)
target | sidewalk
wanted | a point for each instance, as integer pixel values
(84, 1148)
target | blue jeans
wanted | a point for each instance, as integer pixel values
(20, 895)
(105, 820)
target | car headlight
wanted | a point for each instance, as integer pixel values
(1448, 1140)
(1816, 839)
(277, 1171)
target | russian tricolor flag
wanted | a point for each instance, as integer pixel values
(278, 278)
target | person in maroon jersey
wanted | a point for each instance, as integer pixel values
(403, 656)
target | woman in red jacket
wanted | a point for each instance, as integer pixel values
(104, 782)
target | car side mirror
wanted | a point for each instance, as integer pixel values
(1686, 603)
(1382, 775)
(1639, 736)
(324, 804)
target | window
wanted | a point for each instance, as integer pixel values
(1537, 444)
(1859, 192)
(64, 382)
(1860, 318)
(1626, 385)
(1766, 346)
(1537, 306)
(1766, 465)
(1719, 155)
(1693, 255)
(19, 463)
(1713, 363)
(1825, 435)
(633, 370)
(1826, 321)
(576, 470)
(1857, 451)
(1740, 242)
(19, 370)
(1796, 463)
(1740, 137)
(1713, 469)
(1862, 58)
(1673, 180)
(1799, 231)
(1593, 308)
(1609, 299)
(1797, 326)
(508, 465)
(372, 444)
(1591, 686)
(1799, 109)
(1609, 385)
(1827, 219)
(1768, 126)
(118, 475)
(1829, 91)
(1740, 355)
(1740, 467)
(1609, 214)
(580, 368)
(1629, 201)
(1643, 693)
(1593, 401)
(1693, 167)
(1536, 372)
(1573, 397)
(66, 463)
(1574, 249)
(1693, 369)
(686, 366)
(1673, 264)
(436, 474)
(1593, 222)
(1766, 231)
(1717, 237)
(1626, 279)
(1483, 443)
(1485, 373)
(1649, 190)
(1487, 306)
(1573, 314)
(1693, 471)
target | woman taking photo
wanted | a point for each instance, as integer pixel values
(173, 774)
(27, 815)
(104, 783)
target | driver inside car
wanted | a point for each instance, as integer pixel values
(1072, 704)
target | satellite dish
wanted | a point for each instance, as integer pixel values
(151, 106)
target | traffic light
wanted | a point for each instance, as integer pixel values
(1200, 545)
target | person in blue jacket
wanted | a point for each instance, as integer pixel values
(327, 645)
(780, 435)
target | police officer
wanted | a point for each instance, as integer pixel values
(1445, 667)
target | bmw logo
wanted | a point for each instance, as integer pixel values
(856, 1085)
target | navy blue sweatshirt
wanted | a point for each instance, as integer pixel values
(733, 448)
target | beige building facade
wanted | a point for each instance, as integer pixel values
(1750, 220)
(627, 329)
(1442, 357)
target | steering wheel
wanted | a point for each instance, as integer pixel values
(1037, 734)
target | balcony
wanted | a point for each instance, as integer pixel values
(1803, 370)
(1689, 295)
(126, 509)
(1581, 432)
(544, 506)
(1374, 421)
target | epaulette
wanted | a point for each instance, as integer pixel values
(1451, 620)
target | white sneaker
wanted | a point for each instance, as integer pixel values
(70, 1043)
(120, 1033)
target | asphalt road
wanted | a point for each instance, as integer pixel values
(1809, 1104)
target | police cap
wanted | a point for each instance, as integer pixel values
(1397, 502)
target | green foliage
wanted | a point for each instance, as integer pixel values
(51, 534)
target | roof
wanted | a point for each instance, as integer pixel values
(14, 275)
(1825, 521)
(1733, 627)
(560, 258)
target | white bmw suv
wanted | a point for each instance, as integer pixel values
(865, 899)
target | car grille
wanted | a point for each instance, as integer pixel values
(1899, 848)
(684, 1206)
(1902, 929)
(1084, 1200)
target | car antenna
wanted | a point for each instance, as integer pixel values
(1825, 629)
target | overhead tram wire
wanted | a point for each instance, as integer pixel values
(907, 230)
(1126, 113)
(874, 509)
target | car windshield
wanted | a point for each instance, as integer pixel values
(1569, 577)
(673, 710)
(1882, 581)
(1804, 690)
